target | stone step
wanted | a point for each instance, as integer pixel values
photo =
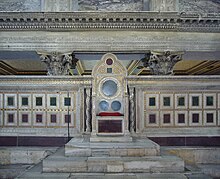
(137, 148)
(100, 153)
(40, 175)
(162, 164)
(129, 152)
(127, 176)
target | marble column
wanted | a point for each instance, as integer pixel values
(93, 114)
(132, 110)
(88, 109)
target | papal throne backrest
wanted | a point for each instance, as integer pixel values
(109, 89)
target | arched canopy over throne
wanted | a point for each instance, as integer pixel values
(109, 91)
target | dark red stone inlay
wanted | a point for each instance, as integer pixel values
(109, 61)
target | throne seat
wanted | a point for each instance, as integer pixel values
(110, 114)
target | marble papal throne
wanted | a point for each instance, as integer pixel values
(109, 98)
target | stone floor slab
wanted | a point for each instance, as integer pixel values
(12, 171)
(212, 170)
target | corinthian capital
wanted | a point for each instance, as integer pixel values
(162, 63)
(58, 63)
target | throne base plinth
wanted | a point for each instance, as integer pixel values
(98, 138)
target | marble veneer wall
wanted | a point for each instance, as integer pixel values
(40, 107)
(180, 104)
(161, 102)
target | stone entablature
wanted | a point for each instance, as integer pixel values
(109, 20)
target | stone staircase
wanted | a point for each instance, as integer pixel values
(136, 156)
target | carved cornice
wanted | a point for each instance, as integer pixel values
(167, 21)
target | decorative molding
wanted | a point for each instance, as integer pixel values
(43, 83)
(167, 21)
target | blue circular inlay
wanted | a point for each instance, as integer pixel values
(116, 105)
(109, 88)
(103, 105)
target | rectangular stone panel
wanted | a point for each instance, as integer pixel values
(110, 126)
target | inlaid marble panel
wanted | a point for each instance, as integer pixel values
(39, 101)
(181, 118)
(68, 116)
(166, 101)
(166, 118)
(25, 118)
(195, 118)
(53, 101)
(152, 101)
(10, 101)
(152, 118)
(210, 117)
(53, 119)
(25, 101)
(67, 101)
(209, 100)
(39, 119)
(10, 118)
(195, 101)
(181, 101)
